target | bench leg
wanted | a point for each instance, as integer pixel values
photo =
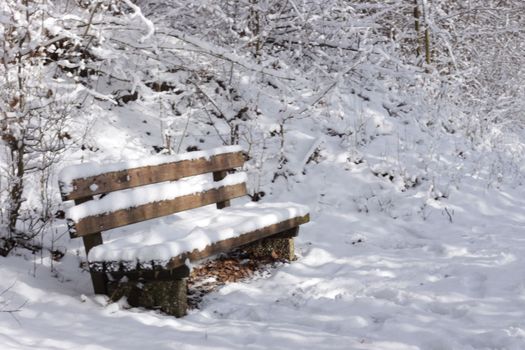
(97, 278)
(169, 296)
(279, 246)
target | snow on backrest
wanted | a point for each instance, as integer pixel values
(88, 179)
(132, 205)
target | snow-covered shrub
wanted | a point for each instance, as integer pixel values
(52, 53)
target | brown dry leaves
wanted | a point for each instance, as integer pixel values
(234, 267)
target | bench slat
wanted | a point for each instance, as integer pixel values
(134, 177)
(231, 243)
(97, 223)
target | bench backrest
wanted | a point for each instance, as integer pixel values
(135, 198)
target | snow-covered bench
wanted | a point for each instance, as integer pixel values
(156, 253)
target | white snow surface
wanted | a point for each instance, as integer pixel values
(80, 171)
(361, 281)
(170, 236)
(135, 197)
(416, 242)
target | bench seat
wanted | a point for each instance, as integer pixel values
(176, 237)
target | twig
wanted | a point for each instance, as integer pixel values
(448, 213)
(18, 309)
(224, 55)
(323, 93)
(12, 312)
(90, 21)
(8, 288)
(206, 111)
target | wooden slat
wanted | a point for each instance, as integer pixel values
(92, 224)
(231, 243)
(119, 180)
(291, 233)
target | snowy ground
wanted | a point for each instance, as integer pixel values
(417, 241)
(450, 276)
(417, 232)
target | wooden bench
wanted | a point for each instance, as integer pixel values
(149, 262)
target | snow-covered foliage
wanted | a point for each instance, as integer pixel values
(399, 123)
(53, 55)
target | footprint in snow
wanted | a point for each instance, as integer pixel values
(379, 319)
(452, 310)
(475, 283)
(390, 294)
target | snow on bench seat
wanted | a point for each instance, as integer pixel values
(170, 237)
